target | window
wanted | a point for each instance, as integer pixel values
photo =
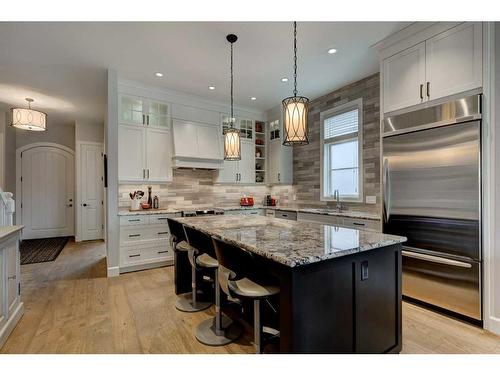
(341, 152)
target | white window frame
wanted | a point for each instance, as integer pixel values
(337, 110)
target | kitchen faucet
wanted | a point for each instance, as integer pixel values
(336, 196)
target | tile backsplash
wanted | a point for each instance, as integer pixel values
(195, 188)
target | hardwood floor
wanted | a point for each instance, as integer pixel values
(71, 307)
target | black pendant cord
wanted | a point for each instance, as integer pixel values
(231, 120)
(295, 58)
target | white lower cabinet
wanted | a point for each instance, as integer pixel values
(348, 222)
(11, 307)
(145, 242)
(254, 211)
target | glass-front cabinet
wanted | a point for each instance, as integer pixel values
(245, 126)
(142, 111)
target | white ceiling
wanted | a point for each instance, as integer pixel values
(63, 65)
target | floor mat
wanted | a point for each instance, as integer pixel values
(42, 249)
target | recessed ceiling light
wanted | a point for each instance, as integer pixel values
(211, 87)
(284, 79)
(331, 51)
(158, 74)
(253, 98)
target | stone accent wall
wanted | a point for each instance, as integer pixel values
(306, 159)
(195, 188)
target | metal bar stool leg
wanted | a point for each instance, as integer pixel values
(188, 302)
(219, 330)
(257, 327)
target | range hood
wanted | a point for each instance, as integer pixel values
(196, 145)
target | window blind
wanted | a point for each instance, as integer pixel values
(341, 124)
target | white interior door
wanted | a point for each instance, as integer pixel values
(47, 192)
(91, 192)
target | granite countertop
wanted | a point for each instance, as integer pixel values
(152, 211)
(6, 231)
(287, 242)
(318, 211)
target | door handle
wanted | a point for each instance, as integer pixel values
(386, 195)
(85, 205)
(69, 205)
(434, 259)
(428, 89)
(422, 91)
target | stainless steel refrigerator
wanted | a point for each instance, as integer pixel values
(432, 195)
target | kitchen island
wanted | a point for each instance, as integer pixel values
(340, 288)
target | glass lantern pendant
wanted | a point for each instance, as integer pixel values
(295, 109)
(29, 119)
(232, 141)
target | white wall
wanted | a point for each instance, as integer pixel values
(495, 252)
(89, 132)
(63, 134)
(111, 150)
(7, 154)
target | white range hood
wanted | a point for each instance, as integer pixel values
(196, 145)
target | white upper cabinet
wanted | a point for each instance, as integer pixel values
(441, 65)
(159, 158)
(143, 112)
(280, 158)
(242, 171)
(454, 60)
(404, 77)
(131, 153)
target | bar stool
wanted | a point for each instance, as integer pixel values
(187, 302)
(240, 277)
(220, 330)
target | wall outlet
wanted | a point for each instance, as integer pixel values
(371, 199)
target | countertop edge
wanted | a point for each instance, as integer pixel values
(7, 231)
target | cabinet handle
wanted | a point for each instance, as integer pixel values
(161, 218)
(421, 91)
(428, 89)
(162, 232)
(360, 224)
(143, 119)
(148, 173)
(279, 177)
(134, 255)
(147, 121)
(143, 173)
(131, 220)
(134, 235)
(163, 252)
(11, 277)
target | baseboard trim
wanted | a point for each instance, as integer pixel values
(113, 271)
(11, 323)
(493, 325)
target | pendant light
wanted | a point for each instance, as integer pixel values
(232, 141)
(29, 119)
(295, 108)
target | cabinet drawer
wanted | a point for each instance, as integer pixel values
(145, 233)
(160, 219)
(270, 213)
(361, 224)
(134, 220)
(131, 255)
(288, 215)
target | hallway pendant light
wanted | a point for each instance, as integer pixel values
(295, 108)
(232, 141)
(29, 119)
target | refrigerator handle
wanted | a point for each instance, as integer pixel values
(387, 193)
(434, 259)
